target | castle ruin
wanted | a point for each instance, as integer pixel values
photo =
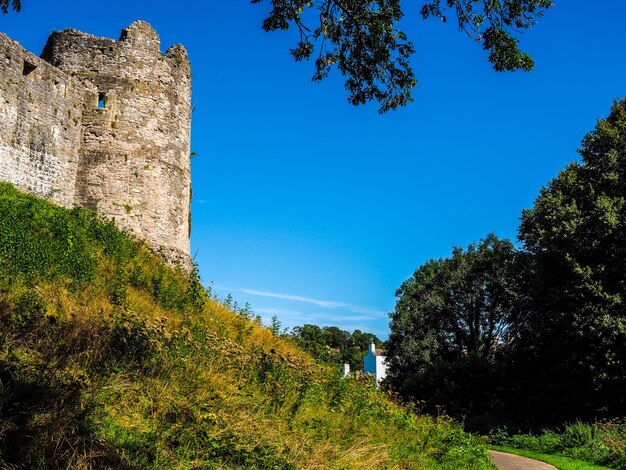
(103, 124)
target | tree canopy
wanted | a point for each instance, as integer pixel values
(454, 306)
(333, 345)
(361, 39)
(536, 336)
(450, 322)
(572, 305)
(5, 5)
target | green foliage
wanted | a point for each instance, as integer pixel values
(493, 23)
(133, 339)
(450, 324)
(533, 337)
(312, 339)
(461, 305)
(5, 5)
(559, 461)
(29, 307)
(44, 399)
(276, 326)
(332, 345)
(361, 39)
(42, 242)
(230, 303)
(600, 443)
(573, 286)
(133, 365)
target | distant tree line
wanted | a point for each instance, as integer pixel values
(332, 345)
(532, 336)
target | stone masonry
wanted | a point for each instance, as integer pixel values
(103, 124)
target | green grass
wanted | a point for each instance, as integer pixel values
(559, 461)
(111, 360)
(602, 443)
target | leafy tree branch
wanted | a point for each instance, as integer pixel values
(361, 39)
(5, 5)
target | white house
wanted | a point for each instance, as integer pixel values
(374, 363)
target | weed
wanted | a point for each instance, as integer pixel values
(110, 359)
(601, 443)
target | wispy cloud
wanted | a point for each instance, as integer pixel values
(345, 315)
(369, 313)
(297, 298)
(277, 311)
(329, 316)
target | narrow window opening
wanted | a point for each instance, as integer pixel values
(102, 100)
(28, 68)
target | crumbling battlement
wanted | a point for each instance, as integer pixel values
(103, 124)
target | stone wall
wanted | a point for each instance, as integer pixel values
(41, 111)
(134, 162)
(103, 124)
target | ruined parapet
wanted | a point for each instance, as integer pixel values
(41, 110)
(103, 124)
(135, 153)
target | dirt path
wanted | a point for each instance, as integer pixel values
(515, 462)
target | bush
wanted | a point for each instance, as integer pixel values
(600, 443)
(111, 360)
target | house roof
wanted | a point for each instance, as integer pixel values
(380, 352)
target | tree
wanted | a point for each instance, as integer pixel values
(454, 307)
(333, 345)
(357, 347)
(362, 341)
(5, 5)
(450, 323)
(336, 337)
(361, 39)
(312, 339)
(276, 326)
(571, 317)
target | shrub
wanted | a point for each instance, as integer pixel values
(111, 360)
(600, 443)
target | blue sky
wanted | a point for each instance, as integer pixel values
(316, 211)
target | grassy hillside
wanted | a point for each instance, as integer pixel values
(108, 359)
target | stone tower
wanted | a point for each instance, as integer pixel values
(134, 156)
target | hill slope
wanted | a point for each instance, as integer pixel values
(109, 359)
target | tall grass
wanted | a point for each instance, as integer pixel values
(109, 359)
(602, 443)
(559, 461)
